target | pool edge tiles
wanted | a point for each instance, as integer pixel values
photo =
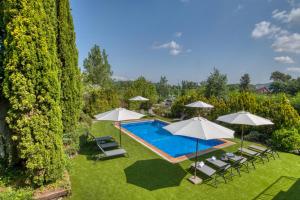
(163, 154)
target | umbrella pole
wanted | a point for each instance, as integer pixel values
(242, 138)
(120, 133)
(195, 173)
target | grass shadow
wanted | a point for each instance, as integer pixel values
(88, 148)
(284, 188)
(154, 174)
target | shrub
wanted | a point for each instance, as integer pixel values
(286, 139)
(21, 194)
(97, 99)
(255, 136)
(71, 139)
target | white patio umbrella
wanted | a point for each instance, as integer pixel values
(138, 98)
(244, 118)
(199, 104)
(118, 115)
(199, 128)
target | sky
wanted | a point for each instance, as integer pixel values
(186, 39)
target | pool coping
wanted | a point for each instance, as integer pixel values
(163, 154)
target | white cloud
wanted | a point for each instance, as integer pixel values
(173, 47)
(293, 69)
(284, 59)
(287, 43)
(287, 17)
(265, 28)
(178, 34)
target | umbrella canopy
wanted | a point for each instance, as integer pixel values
(200, 128)
(139, 98)
(245, 118)
(199, 104)
(118, 114)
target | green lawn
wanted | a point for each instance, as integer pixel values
(146, 176)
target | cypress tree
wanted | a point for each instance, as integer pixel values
(32, 87)
(71, 89)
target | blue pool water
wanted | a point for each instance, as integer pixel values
(153, 133)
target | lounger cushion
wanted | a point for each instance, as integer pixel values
(205, 169)
(248, 151)
(109, 145)
(255, 147)
(115, 152)
(103, 138)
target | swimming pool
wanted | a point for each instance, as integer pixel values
(152, 132)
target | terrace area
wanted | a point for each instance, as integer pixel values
(145, 175)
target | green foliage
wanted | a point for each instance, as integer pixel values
(2, 36)
(97, 68)
(277, 108)
(286, 139)
(32, 88)
(141, 87)
(295, 101)
(71, 88)
(255, 136)
(278, 87)
(279, 76)
(188, 85)
(71, 139)
(245, 82)
(216, 84)
(163, 88)
(284, 83)
(98, 99)
(20, 194)
(238, 101)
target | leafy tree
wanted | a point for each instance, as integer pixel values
(71, 89)
(98, 99)
(293, 86)
(279, 76)
(245, 82)
(163, 87)
(216, 84)
(32, 88)
(188, 85)
(278, 87)
(97, 69)
(286, 139)
(143, 88)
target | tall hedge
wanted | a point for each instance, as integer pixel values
(32, 88)
(71, 92)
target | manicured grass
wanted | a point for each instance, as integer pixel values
(144, 175)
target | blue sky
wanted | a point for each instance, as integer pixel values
(185, 39)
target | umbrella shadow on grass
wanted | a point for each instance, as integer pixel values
(88, 148)
(154, 174)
